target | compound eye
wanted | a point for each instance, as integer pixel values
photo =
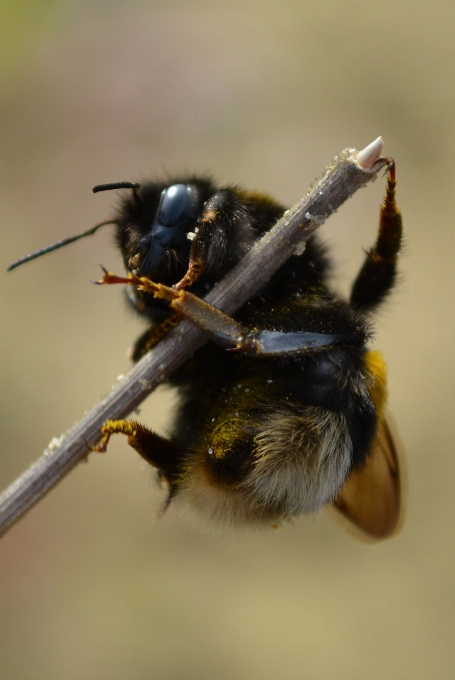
(174, 204)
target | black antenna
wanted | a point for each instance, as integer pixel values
(59, 244)
(116, 185)
(120, 185)
(48, 249)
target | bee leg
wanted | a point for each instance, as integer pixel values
(232, 335)
(377, 275)
(198, 252)
(223, 214)
(152, 337)
(156, 450)
(196, 264)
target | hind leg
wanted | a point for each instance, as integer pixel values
(378, 273)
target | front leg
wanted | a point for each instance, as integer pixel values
(198, 252)
(221, 237)
(230, 333)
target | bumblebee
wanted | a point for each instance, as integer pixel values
(282, 413)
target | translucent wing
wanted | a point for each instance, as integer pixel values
(371, 502)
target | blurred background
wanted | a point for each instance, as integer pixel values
(263, 94)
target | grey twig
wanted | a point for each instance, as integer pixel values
(348, 172)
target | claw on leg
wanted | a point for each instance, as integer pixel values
(110, 427)
(159, 290)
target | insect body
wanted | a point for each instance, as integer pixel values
(293, 419)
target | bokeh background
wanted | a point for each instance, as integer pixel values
(261, 93)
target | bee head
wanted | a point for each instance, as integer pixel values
(167, 230)
(155, 224)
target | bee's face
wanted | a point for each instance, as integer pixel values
(155, 227)
(167, 230)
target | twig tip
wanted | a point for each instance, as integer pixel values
(370, 154)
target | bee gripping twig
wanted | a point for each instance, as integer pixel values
(348, 172)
